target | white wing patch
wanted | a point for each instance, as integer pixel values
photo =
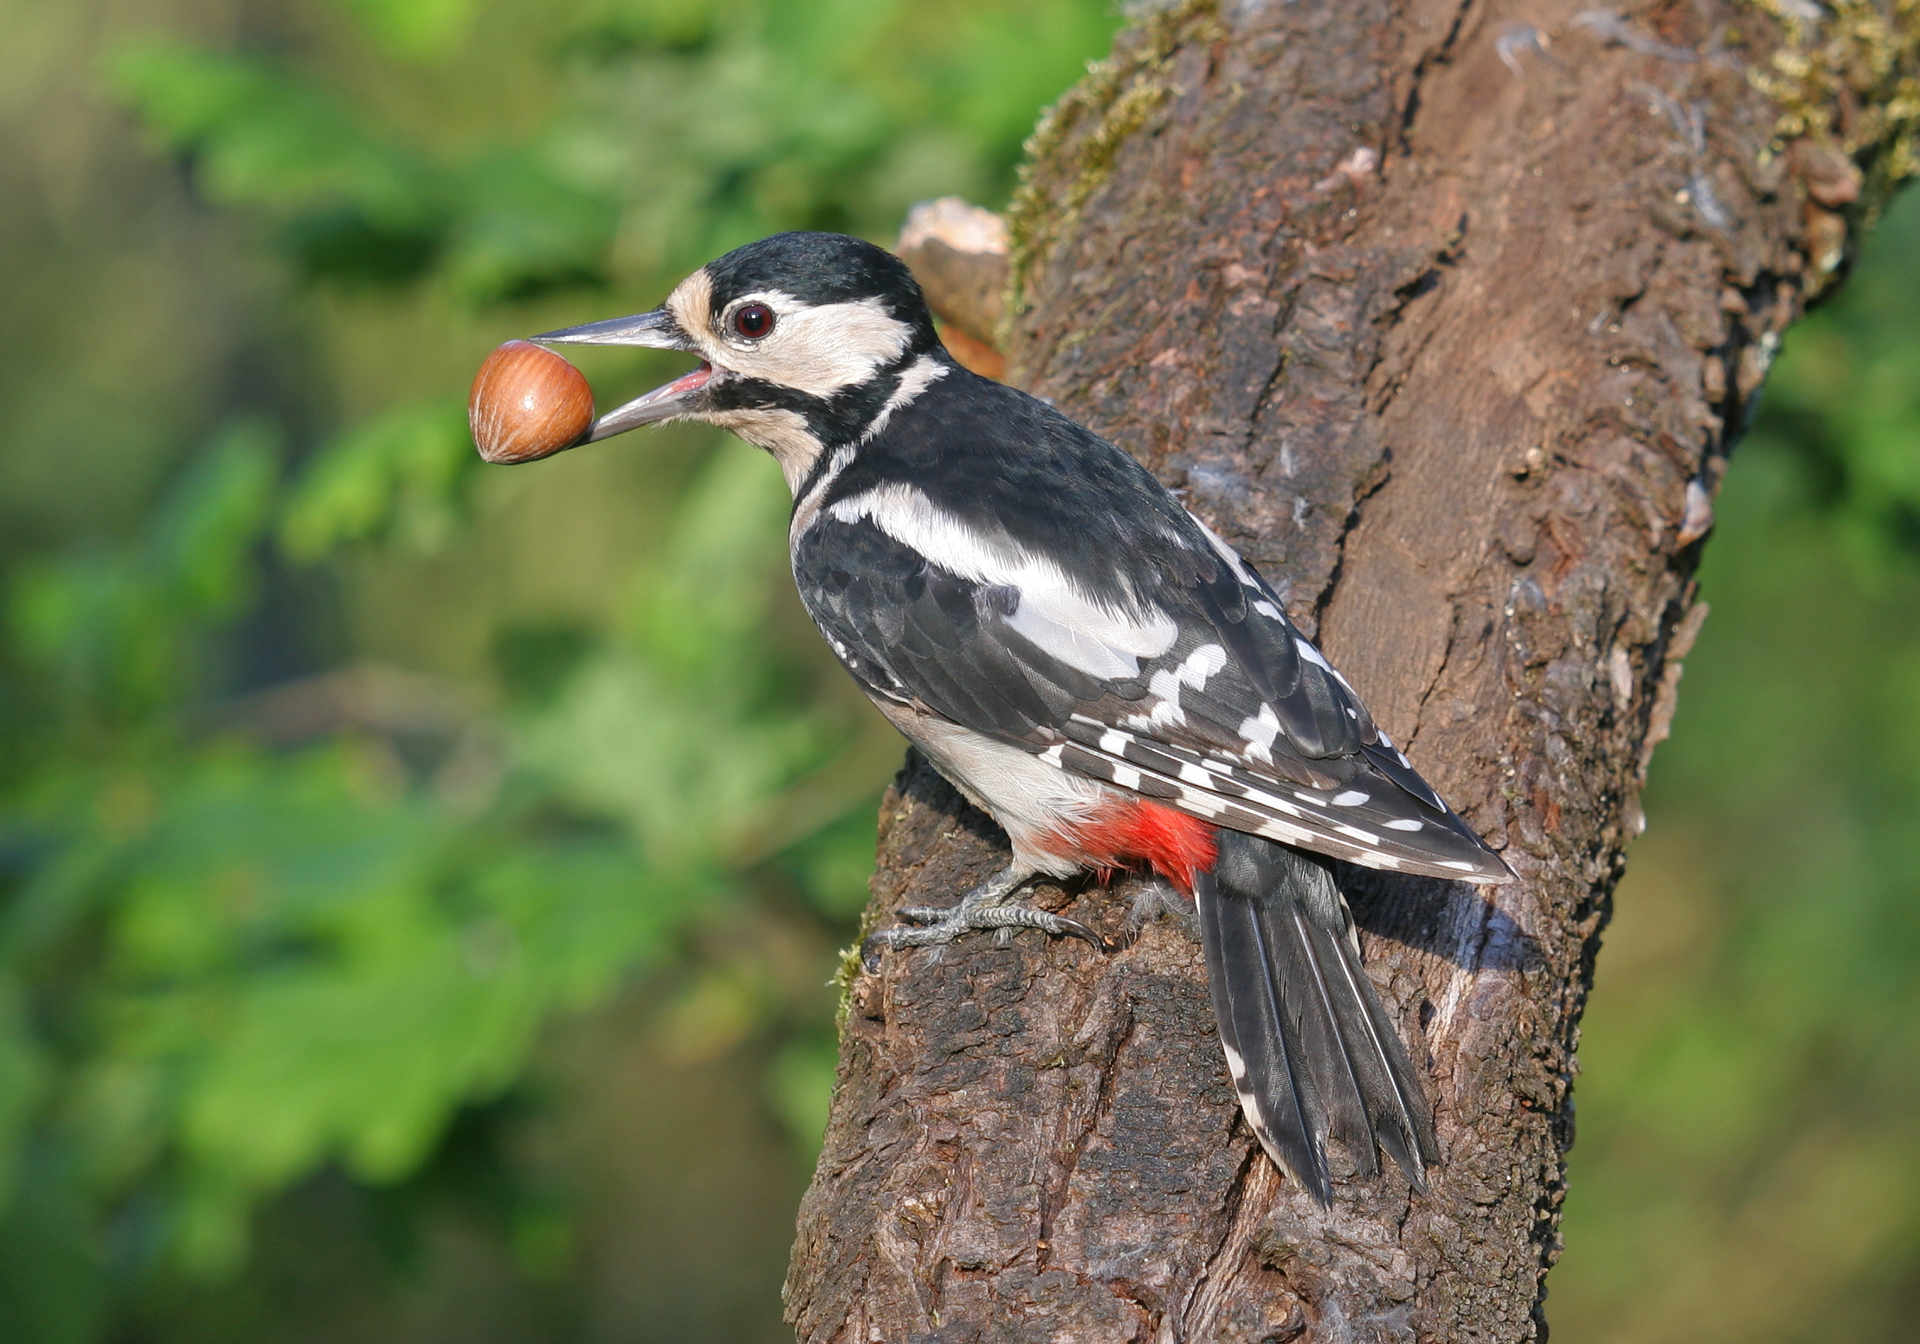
(1052, 611)
(1072, 646)
(1259, 731)
(1165, 686)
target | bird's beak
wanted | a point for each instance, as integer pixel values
(656, 330)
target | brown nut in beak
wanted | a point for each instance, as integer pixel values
(528, 403)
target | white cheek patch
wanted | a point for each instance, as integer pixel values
(821, 350)
(1052, 612)
(813, 349)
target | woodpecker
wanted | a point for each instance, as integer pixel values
(1083, 658)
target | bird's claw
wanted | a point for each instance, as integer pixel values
(931, 926)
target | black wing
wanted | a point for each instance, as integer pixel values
(1182, 680)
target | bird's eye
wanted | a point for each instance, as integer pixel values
(753, 320)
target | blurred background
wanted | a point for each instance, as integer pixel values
(419, 883)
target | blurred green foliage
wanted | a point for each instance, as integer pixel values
(418, 881)
(338, 769)
(1750, 1060)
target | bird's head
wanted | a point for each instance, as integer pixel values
(803, 340)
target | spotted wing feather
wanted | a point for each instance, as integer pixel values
(1181, 678)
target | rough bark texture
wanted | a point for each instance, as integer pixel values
(1451, 330)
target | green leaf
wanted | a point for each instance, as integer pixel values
(419, 29)
(263, 137)
(399, 473)
(24, 1077)
(525, 225)
(118, 628)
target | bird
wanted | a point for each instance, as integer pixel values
(1084, 659)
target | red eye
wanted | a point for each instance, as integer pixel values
(753, 320)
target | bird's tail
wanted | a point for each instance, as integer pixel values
(1310, 1048)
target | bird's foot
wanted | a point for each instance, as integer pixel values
(988, 906)
(940, 925)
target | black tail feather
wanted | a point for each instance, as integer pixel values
(1279, 1098)
(1308, 1043)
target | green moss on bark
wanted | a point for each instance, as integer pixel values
(1849, 83)
(1072, 151)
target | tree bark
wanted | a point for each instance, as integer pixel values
(1447, 315)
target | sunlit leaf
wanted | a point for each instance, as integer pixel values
(397, 472)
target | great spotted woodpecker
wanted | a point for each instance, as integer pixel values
(1083, 658)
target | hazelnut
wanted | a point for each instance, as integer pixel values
(527, 403)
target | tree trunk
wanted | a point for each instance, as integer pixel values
(1449, 322)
